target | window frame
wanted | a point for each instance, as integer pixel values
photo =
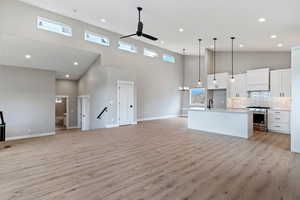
(97, 35)
(169, 61)
(155, 54)
(64, 26)
(126, 43)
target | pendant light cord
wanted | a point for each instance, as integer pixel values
(214, 58)
(232, 38)
(200, 40)
(183, 50)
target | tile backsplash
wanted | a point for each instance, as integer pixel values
(260, 99)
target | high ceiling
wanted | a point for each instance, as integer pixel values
(45, 56)
(205, 19)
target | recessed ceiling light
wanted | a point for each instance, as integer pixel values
(27, 56)
(273, 36)
(76, 63)
(103, 20)
(261, 20)
(241, 45)
(280, 45)
(181, 30)
(67, 75)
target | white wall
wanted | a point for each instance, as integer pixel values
(295, 125)
(156, 81)
(69, 88)
(27, 97)
(252, 60)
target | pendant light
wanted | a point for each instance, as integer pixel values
(232, 74)
(183, 88)
(214, 56)
(199, 79)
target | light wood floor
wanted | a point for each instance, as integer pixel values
(153, 160)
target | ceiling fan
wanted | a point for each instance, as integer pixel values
(139, 31)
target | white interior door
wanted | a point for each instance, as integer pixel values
(85, 113)
(126, 103)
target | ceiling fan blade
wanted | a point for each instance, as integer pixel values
(128, 36)
(149, 37)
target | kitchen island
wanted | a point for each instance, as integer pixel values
(232, 122)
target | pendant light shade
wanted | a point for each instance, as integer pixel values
(214, 56)
(199, 78)
(232, 72)
(183, 88)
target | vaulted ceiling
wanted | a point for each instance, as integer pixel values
(47, 56)
(204, 19)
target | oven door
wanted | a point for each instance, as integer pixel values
(259, 118)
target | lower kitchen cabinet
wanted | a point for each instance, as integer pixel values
(279, 121)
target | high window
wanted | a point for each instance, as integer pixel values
(150, 53)
(53, 26)
(127, 47)
(95, 38)
(168, 58)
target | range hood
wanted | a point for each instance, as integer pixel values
(258, 80)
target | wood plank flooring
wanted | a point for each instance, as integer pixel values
(156, 160)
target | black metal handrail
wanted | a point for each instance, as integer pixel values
(102, 112)
(2, 127)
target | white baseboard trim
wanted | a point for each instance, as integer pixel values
(157, 118)
(72, 127)
(111, 125)
(29, 136)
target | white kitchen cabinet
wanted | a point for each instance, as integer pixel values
(279, 121)
(222, 81)
(286, 83)
(238, 88)
(258, 80)
(281, 83)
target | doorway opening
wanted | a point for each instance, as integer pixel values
(125, 102)
(84, 113)
(61, 112)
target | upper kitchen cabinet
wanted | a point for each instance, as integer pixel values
(222, 81)
(281, 83)
(258, 80)
(238, 88)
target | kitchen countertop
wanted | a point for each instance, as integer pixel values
(229, 110)
(281, 109)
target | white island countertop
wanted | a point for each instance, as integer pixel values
(233, 122)
(230, 110)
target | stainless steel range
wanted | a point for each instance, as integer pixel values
(260, 117)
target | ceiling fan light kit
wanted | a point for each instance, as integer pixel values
(140, 28)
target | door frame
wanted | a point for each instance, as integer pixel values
(79, 105)
(67, 108)
(120, 82)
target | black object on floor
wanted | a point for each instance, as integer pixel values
(2, 127)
